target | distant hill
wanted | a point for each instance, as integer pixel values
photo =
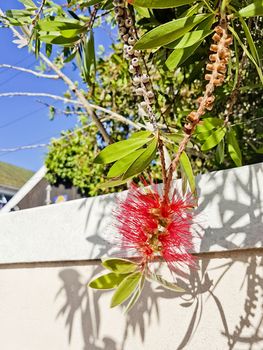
(13, 176)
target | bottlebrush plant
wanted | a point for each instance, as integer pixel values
(158, 40)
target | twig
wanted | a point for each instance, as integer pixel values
(36, 18)
(39, 94)
(30, 71)
(79, 94)
(112, 115)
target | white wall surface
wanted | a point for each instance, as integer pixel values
(230, 217)
(52, 309)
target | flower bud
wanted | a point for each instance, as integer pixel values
(122, 30)
(150, 94)
(145, 78)
(139, 91)
(136, 80)
(135, 62)
(125, 37)
(131, 40)
(118, 11)
(128, 22)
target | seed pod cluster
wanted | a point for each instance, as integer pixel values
(216, 73)
(141, 82)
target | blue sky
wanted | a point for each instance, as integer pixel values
(23, 120)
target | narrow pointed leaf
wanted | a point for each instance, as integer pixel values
(214, 139)
(143, 161)
(254, 9)
(119, 150)
(191, 38)
(233, 148)
(163, 282)
(135, 295)
(208, 124)
(250, 40)
(168, 32)
(123, 164)
(109, 281)
(187, 168)
(119, 266)
(113, 183)
(220, 151)
(125, 289)
(160, 4)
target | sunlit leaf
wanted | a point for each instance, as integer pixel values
(109, 281)
(233, 148)
(160, 4)
(220, 151)
(136, 294)
(254, 9)
(123, 164)
(119, 150)
(187, 168)
(126, 288)
(168, 32)
(119, 266)
(143, 161)
(214, 139)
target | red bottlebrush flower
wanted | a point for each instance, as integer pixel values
(149, 226)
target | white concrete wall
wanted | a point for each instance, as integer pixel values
(47, 256)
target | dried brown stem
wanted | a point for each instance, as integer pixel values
(217, 67)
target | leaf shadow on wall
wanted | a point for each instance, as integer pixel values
(200, 286)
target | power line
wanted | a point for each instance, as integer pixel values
(21, 118)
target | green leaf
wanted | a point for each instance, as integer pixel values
(55, 25)
(141, 134)
(135, 295)
(93, 2)
(233, 148)
(160, 4)
(260, 150)
(123, 164)
(204, 135)
(191, 38)
(119, 266)
(254, 9)
(168, 285)
(178, 57)
(119, 150)
(28, 4)
(142, 161)
(214, 139)
(168, 32)
(208, 124)
(58, 40)
(250, 41)
(220, 151)
(187, 168)
(126, 288)
(109, 281)
(259, 70)
(177, 138)
(113, 183)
